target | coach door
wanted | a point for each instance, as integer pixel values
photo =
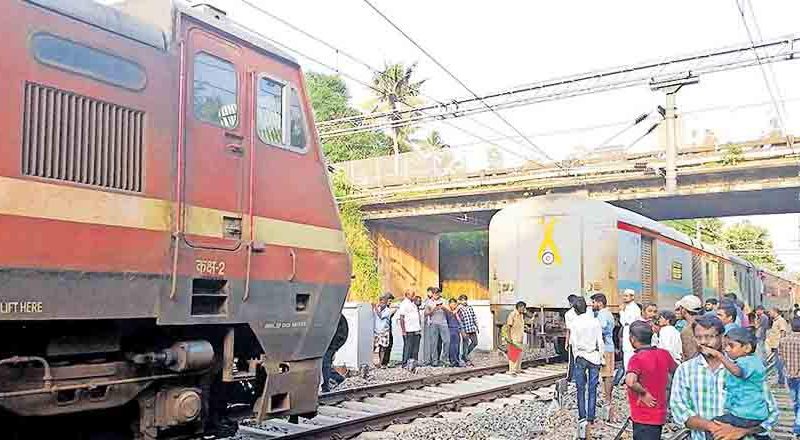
(217, 140)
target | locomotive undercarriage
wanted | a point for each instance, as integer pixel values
(167, 379)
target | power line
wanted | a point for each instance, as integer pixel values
(620, 123)
(461, 83)
(769, 66)
(620, 77)
(352, 78)
(761, 65)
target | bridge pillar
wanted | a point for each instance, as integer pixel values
(407, 259)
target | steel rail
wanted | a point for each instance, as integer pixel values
(352, 427)
(335, 397)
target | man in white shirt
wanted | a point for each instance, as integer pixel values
(669, 338)
(586, 340)
(629, 314)
(569, 316)
(410, 326)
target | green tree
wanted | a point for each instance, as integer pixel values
(434, 141)
(711, 229)
(744, 239)
(395, 89)
(754, 244)
(330, 100)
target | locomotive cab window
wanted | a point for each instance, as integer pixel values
(279, 115)
(87, 61)
(215, 91)
(270, 111)
(297, 123)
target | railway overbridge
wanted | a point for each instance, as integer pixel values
(410, 201)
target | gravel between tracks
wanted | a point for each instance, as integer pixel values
(377, 376)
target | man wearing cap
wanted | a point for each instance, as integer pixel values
(688, 308)
(629, 314)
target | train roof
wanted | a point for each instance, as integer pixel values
(152, 22)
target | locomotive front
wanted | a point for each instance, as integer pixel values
(171, 244)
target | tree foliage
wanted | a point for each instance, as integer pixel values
(753, 243)
(366, 284)
(396, 89)
(711, 229)
(330, 99)
(744, 239)
(464, 243)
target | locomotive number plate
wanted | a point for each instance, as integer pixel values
(210, 267)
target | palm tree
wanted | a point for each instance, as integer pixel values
(395, 89)
(434, 141)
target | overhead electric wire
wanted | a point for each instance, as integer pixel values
(778, 112)
(461, 83)
(352, 78)
(619, 123)
(770, 67)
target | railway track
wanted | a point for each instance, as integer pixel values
(347, 413)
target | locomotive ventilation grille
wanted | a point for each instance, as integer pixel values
(79, 139)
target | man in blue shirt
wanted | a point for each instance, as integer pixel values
(607, 323)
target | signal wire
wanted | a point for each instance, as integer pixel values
(348, 76)
(778, 112)
(461, 83)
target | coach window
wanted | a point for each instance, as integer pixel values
(270, 111)
(215, 91)
(87, 61)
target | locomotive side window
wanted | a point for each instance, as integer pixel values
(297, 124)
(270, 111)
(279, 115)
(84, 60)
(215, 91)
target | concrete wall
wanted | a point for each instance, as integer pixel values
(407, 259)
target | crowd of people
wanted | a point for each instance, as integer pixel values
(449, 325)
(701, 365)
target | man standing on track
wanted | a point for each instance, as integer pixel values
(586, 339)
(515, 328)
(410, 327)
(569, 317)
(629, 314)
(607, 322)
(439, 332)
(469, 328)
(762, 326)
(777, 331)
(338, 340)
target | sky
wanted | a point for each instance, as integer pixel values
(495, 45)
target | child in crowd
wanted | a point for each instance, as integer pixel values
(669, 338)
(745, 404)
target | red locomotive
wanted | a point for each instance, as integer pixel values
(167, 227)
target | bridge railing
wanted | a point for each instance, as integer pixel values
(464, 164)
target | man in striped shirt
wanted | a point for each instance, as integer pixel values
(789, 352)
(469, 328)
(698, 391)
